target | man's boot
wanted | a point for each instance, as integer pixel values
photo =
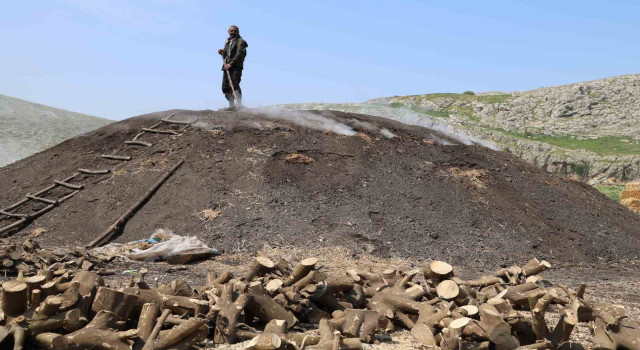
(230, 98)
(239, 100)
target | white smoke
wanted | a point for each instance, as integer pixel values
(402, 115)
(409, 117)
(386, 133)
(306, 119)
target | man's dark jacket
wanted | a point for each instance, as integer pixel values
(235, 50)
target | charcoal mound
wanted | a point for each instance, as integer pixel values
(265, 177)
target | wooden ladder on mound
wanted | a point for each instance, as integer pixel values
(154, 130)
(20, 219)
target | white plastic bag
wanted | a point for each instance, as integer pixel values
(163, 244)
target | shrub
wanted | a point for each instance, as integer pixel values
(468, 93)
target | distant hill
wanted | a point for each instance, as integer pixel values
(29, 127)
(588, 130)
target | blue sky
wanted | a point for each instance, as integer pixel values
(118, 59)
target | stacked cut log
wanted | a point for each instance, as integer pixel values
(28, 257)
(271, 306)
(630, 197)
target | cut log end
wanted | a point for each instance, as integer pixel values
(447, 289)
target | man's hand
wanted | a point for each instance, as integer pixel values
(220, 51)
(226, 67)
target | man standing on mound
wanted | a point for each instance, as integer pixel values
(233, 54)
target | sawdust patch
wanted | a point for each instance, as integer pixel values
(428, 142)
(152, 162)
(299, 158)
(572, 177)
(119, 172)
(37, 232)
(336, 259)
(209, 214)
(255, 150)
(364, 136)
(475, 176)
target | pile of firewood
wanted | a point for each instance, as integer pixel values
(28, 258)
(630, 197)
(273, 306)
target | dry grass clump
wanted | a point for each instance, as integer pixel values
(299, 158)
(476, 176)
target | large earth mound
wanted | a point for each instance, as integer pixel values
(315, 179)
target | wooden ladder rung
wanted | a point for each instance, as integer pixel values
(15, 224)
(13, 215)
(41, 211)
(180, 122)
(94, 172)
(155, 125)
(138, 143)
(43, 200)
(115, 157)
(60, 200)
(68, 185)
(135, 138)
(158, 131)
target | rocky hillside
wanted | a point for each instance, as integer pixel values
(590, 130)
(29, 127)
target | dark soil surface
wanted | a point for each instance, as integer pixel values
(418, 195)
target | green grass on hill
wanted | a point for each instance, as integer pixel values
(611, 191)
(603, 146)
(459, 97)
(421, 110)
(462, 110)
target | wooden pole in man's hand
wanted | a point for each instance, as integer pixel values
(230, 81)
